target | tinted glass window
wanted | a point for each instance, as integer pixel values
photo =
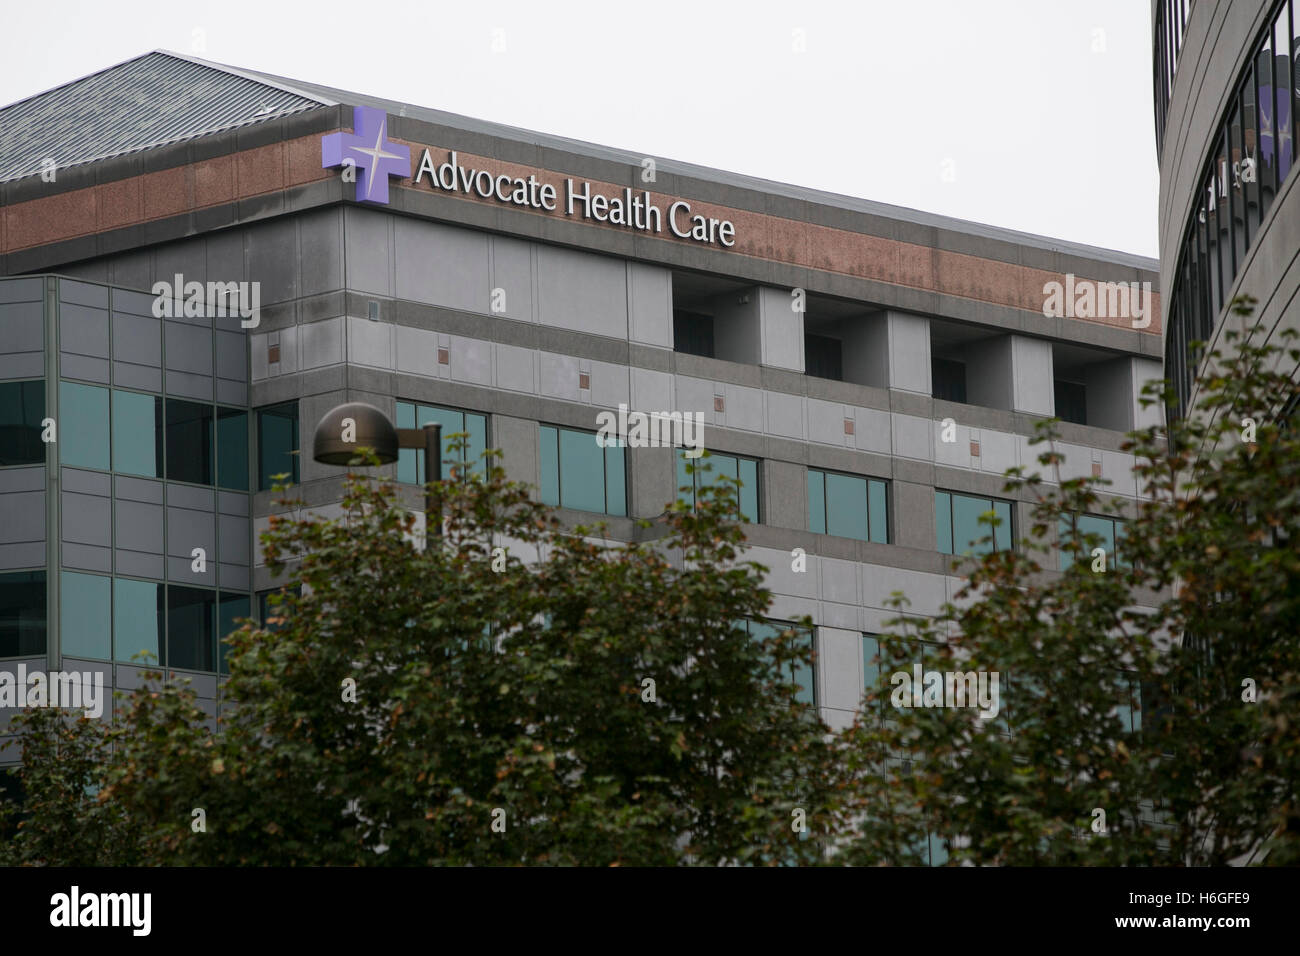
(189, 442)
(577, 473)
(410, 461)
(848, 506)
(85, 615)
(191, 623)
(958, 523)
(948, 380)
(1109, 535)
(22, 406)
(277, 444)
(1071, 402)
(139, 620)
(232, 449)
(823, 356)
(137, 434)
(268, 609)
(83, 425)
(720, 467)
(799, 673)
(692, 333)
(230, 608)
(22, 613)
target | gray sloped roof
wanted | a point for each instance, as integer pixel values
(152, 100)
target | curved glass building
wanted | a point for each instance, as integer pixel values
(1226, 98)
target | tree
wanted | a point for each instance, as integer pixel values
(61, 819)
(1126, 735)
(523, 693)
(518, 693)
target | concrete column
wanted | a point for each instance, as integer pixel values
(1114, 393)
(785, 495)
(912, 515)
(782, 330)
(1011, 372)
(652, 481)
(517, 439)
(649, 305)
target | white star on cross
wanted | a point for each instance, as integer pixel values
(375, 155)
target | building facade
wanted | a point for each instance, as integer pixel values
(868, 372)
(1227, 97)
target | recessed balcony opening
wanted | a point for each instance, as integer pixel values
(845, 341)
(1092, 386)
(711, 317)
(966, 365)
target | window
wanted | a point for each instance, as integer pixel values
(232, 449)
(957, 523)
(191, 628)
(1129, 708)
(22, 406)
(1250, 159)
(881, 660)
(1071, 402)
(847, 506)
(692, 333)
(577, 473)
(719, 467)
(83, 426)
(266, 609)
(22, 614)
(85, 613)
(872, 664)
(230, 608)
(948, 380)
(137, 434)
(800, 673)
(823, 356)
(938, 849)
(410, 461)
(189, 442)
(1109, 534)
(139, 620)
(277, 444)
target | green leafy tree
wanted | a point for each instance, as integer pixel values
(1148, 706)
(62, 820)
(517, 693)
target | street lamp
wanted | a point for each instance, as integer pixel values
(352, 425)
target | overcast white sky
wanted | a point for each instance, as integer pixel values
(1029, 114)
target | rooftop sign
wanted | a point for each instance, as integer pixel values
(631, 209)
(370, 151)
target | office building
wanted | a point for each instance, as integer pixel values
(868, 371)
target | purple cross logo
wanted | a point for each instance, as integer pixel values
(370, 151)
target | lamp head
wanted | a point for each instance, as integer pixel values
(367, 426)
